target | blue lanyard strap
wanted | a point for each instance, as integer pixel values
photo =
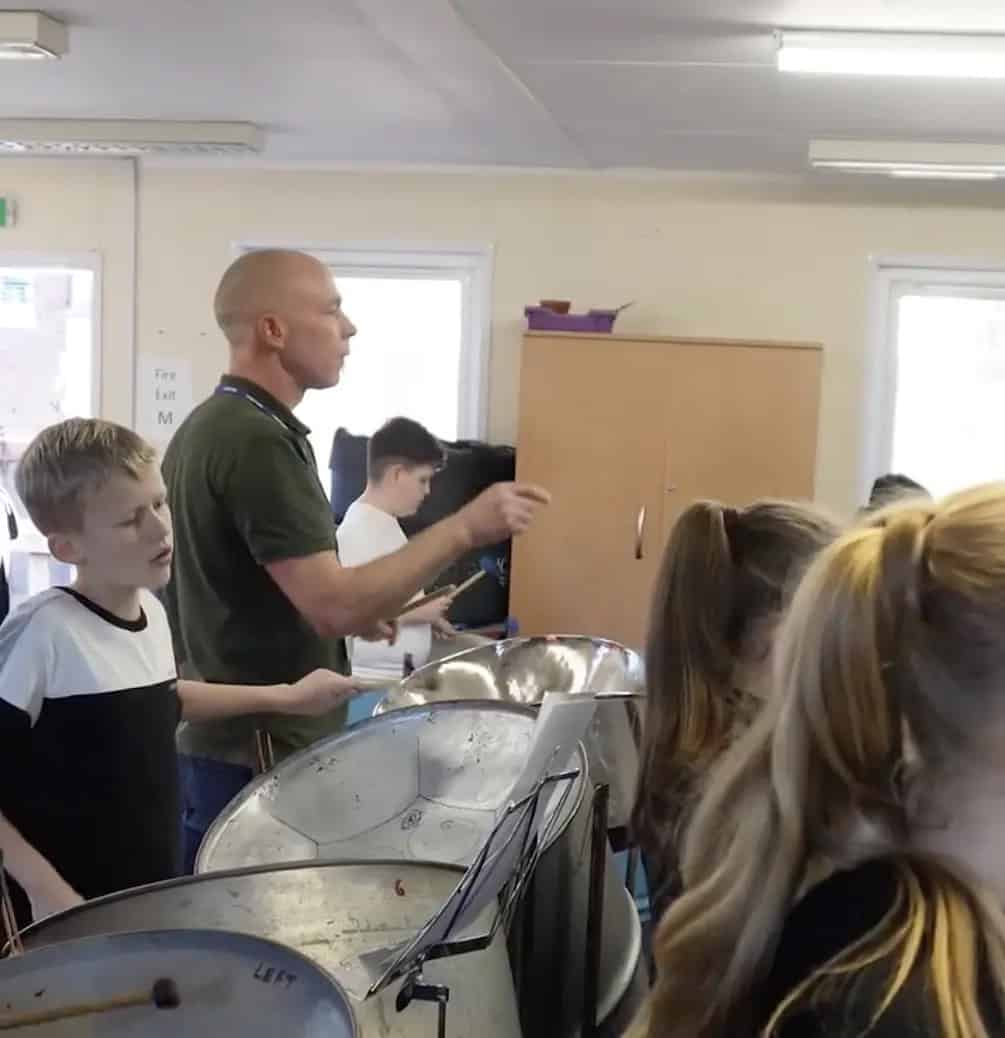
(234, 391)
(302, 446)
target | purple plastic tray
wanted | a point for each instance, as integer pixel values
(541, 319)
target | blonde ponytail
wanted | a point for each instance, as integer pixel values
(886, 666)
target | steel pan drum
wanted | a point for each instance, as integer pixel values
(330, 913)
(425, 783)
(521, 670)
(229, 986)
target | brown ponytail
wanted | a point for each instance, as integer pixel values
(723, 570)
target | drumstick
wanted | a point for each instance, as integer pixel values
(451, 589)
(163, 995)
(372, 684)
(263, 750)
(433, 596)
(470, 582)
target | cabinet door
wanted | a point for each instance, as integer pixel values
(741, 424)
(592, 432)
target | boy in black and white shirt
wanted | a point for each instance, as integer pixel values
(89, 698)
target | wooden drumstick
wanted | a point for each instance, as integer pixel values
(453, 590)
(362, 685)
(163, 995)
(433, 596)
(470, 582)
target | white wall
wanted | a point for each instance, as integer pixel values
(702, 256)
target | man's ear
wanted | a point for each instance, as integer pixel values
(272, 331)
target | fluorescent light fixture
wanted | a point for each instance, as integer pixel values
(110, 137)
(933, 160)
(943, 174)
(928, 55)
(31, 35)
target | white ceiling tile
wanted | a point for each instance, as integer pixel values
(664, 83)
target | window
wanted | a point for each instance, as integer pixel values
(49, 358)
(422, 344)
(938, 379)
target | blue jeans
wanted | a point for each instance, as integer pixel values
(207, 786)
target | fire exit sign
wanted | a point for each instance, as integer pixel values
(7, 212)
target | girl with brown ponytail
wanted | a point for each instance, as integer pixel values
(845, 870)
(726, 577)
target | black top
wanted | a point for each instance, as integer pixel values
(88, 710)
(244, 491)
(832, 917)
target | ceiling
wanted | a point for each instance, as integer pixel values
(594, 84)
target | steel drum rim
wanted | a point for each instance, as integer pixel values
(617, 991)
(498, 648)
(170, 932)
(605, 1008)
(527, 639)
(480, 705)
(116, 896)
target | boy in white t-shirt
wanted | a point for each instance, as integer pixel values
(402, 459)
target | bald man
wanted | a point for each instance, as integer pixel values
(258, 594)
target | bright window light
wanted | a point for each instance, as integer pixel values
(406, 360)
(950, 363)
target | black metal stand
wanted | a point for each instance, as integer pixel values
(8, 920)
(414, 991)
(409, 963)
(595, 911)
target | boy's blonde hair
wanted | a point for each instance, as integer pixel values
(71, 459)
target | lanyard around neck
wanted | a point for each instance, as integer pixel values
(302, 445)
(245, 395)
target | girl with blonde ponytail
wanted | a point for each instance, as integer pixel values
(727, 575)
(845, 870)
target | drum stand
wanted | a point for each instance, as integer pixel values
(415, 988)
(8, 922)
(595, 911)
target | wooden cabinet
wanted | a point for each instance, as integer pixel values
(626, 432)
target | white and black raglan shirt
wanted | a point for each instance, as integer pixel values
(88, 711)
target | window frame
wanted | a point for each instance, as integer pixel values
(890, 279)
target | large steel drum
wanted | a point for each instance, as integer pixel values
(228, 985)
(426, 783)
(521, 670)
(330, 913)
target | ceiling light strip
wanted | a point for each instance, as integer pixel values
(922, 55)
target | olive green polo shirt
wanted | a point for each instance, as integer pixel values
(244, 491)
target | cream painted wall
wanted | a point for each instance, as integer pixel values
(703, 256)
(70, 206)
(712, 257)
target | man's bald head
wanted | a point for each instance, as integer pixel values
(282, 316)
(262, 282)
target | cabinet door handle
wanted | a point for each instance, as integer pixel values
(640, 531)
